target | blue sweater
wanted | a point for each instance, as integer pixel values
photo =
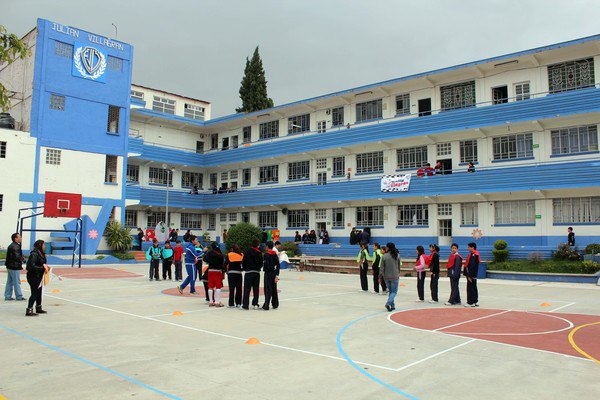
(191, 253)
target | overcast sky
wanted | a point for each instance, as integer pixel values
(197, 48)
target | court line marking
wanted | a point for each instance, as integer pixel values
(93, 364)
(571, 325)
(471, 320)
(574, 345)
(317, 296)
(560, 308)
(216, 333)
(435, 355)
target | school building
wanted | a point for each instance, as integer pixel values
(528, 121)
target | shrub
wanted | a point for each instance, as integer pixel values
(117, 236)
(242, 233)
(291, 248)
(100, 257)
(205, 237)
(500, 255)
(535, 257)
(589, 267)
(566, 252)
(500, 245)
(592, 248)
(123, 256)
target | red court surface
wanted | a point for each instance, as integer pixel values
(558, 333)
(92, 273)
(200, 291)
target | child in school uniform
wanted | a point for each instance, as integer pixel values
(177, 255)
(377, 257)
(167, 256)
(434, 267)
(470, 271)
(454, 267)
(363, 259)
(420, 266)
(154, 254)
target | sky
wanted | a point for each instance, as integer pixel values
(197, 48)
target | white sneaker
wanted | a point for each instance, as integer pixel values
(448, 304)
(432, 301)
(470, 305)
(419, 301)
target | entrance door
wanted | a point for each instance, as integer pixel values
(424, 107)
(445, 232)
(446, 166)
(322, 178)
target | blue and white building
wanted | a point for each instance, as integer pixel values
(527, 120)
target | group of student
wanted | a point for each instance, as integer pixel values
(428, 170)
(386, 272)
(241, 268)
(311, 237)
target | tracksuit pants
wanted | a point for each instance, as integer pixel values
(167, 269)
(154, 264)
(433, 285)
(421, 284)
(454, 291)
(178, 270)
(472, 294)
(190, 278)
(376, 281)
(364, 282)
(251, 282)
(271, 295)
(234, 280)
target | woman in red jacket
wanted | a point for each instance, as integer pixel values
(422, 262)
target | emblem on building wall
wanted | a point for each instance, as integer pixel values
(89, 63)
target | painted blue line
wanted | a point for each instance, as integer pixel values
(359, 368)
(132, 380)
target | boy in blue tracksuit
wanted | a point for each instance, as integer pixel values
(192, 255)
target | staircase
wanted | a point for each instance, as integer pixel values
(62, 247)
(139, 255)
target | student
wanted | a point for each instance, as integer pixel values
(439, 168)
(192, 256)
(471, 168)
(363, 265)
(353, 236)
(173, 235)
(365, 236)
(325, 237)
(14, 265)
(224, 236)
(252, 263)
(420, 172)
(390, 272)
(321, 235)
(233, 263)
(271, 269)
(216, 268)
(571, 237)
(264, 237)
(428, 170)
(154, 254)
(305, 237)
(36, 268)
(471, 270)
(297, 238)
(177, 256)
(454, 268)
(420, 266)
(167, 256)
(187, 236)
(376, 267)
(434, 268)
(140, 238)
(312, 237)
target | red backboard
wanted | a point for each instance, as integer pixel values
(59, 204)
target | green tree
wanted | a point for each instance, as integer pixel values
(11, 48)
(253, 90)
(242, 233)
(118, 236)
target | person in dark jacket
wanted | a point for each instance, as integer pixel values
(376, 267)
(362, 259)
(297, 238)
(470, 271)
(173, 235)
(305, 237)
(167, 255)
(36, 267)
(390, 272)
(353, 236)
(14, 265)
(271, 269)
(233, 263)
(264, 236)
(154, 254)
(312, 237)
(252, 263)
(454, 267)
(571, 237)
(216, 268)
(434, 267)
(187, 236)
(140, 237)
(365, 236)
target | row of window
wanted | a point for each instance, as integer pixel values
(66, 50)
(167, 106)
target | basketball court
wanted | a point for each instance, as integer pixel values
(110, 333)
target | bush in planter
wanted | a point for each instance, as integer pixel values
(500, 253)
(592, 248)
(242, 233)
(589, 267)
(500, 245)
(535, 257)
(291, 248)
(566, 252)
(117, 236)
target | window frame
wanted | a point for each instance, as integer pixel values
(365, 216)
(369, 110)
(468, 151)
(371, 159)
(405, 99)
(298, 219)
(504, 212)
(163, 105)
(299, 170)
(408, 157)
(269, 174)
(501, 146)
(458, 95)
(268, 130)
(412, 215)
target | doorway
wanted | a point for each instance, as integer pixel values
(446, 166)
(445, 232)
(424, 107)
(500, 95)
(322, 178)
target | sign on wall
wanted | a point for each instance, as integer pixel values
(89, 63)
(395, 183)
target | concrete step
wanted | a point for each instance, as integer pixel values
(139, 255)
(61, 245)
(62, 252)
(65, 235)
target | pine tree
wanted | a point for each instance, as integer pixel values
(253, 90)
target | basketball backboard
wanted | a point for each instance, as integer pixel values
(60, 204)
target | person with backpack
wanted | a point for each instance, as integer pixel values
(434, 268)
(233, 264)
(271, 270)
(362, 260)
(471, 270)
(390, 272)
(154, 254)
(454, 267)
(420, 266)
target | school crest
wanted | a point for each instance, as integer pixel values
(89, 63)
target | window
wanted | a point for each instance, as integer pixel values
(224, 176)
(576, 210)
(113, 119)
(461, 95)
(232, 217)
(191, 179)
(369, 110)
(444, 209)
(339, 166)
(522, 91)
(337, 116)
(213, 180)
(191, 221)
(234, 142)
(131, 218)
(299, 123)
(246, 217)
(515, 212)
(1, 201)
(193, 111)
(159, 176)
(411, 157)
(413, 215)
(2, 149)
(268, 130)
(114, 63)
(575, 139)
(222, 217)
(135, 94)
(337, 215)
(214, 141)
(444, 149)
(225, 143)
(57, 102)
(63, 49)
(246, 174)
(53, 156)
(154, 217)
(212, 222)
(164, 105)
(321, 214)
(403, 104)
(299, 170)
(469, 214)
(133, 173)
(571, 75)
(110, 169)
(369, 162)
(321, 126)
(246, 134)
(369, 216)
(233, 174)
(297, 219)
(500, 95)
(513, 146)
(267, 219)
(321, 163)
(199, 147)
(269, 174)
(468, 151)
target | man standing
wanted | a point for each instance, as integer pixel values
(454, 266)
(471, 270)
(140, 236)
(14, 265)
(252, 263)
(224, 236)
(571, 237)
(192, 255)
(271, 268)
